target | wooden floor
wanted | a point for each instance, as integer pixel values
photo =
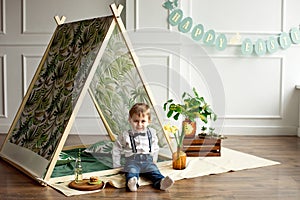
(274, 182)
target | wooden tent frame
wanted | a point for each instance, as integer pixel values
(27, 159)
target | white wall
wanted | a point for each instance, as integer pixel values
(257, 94)
(252, 95)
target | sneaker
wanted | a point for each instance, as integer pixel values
(166, 183)
(132, 184)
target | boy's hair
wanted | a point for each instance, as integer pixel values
(140, 109)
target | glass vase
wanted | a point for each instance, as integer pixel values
(179, 159)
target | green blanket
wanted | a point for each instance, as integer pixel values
(97, 157)
(90, 162)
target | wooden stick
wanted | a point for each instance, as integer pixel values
(116, 12)
(61, 20)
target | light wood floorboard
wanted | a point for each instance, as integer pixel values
(273, 182)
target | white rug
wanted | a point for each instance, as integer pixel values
(230, 160)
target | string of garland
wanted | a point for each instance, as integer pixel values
(260, 47)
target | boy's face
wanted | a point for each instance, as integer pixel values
(139, 123)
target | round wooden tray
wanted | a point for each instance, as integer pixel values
(85, 186)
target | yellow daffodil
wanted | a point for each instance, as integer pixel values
(167, 127)
(175, 130)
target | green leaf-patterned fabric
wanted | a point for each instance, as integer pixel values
(58, 85)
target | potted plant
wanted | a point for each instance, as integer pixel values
(193, 107)
(202, 134)
(210, 134)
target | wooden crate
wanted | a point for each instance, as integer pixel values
(202, 147)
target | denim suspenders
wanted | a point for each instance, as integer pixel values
(133, 142)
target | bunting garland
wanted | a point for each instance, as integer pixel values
(210, 38)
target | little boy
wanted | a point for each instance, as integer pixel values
(140, 146)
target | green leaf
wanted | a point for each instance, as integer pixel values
(215, 117)
(208, 109)
(169, 114)
(203, 118)
(165, 106)
(167, 102)
(178, 108)
(195, 92)
(168, 5)
(173, 107)
(183, 95)
(176, 116)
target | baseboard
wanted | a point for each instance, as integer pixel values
(229, 130)
(261, 130)
(4, 129)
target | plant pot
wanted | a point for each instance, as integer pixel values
(189, 128)
(179, 159)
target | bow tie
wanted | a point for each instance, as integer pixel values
(141, 134)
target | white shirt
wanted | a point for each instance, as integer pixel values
(123, 145)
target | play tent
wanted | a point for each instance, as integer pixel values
(92, 56)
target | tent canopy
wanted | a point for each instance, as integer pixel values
(90, 56)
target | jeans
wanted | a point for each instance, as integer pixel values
(142, 165)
